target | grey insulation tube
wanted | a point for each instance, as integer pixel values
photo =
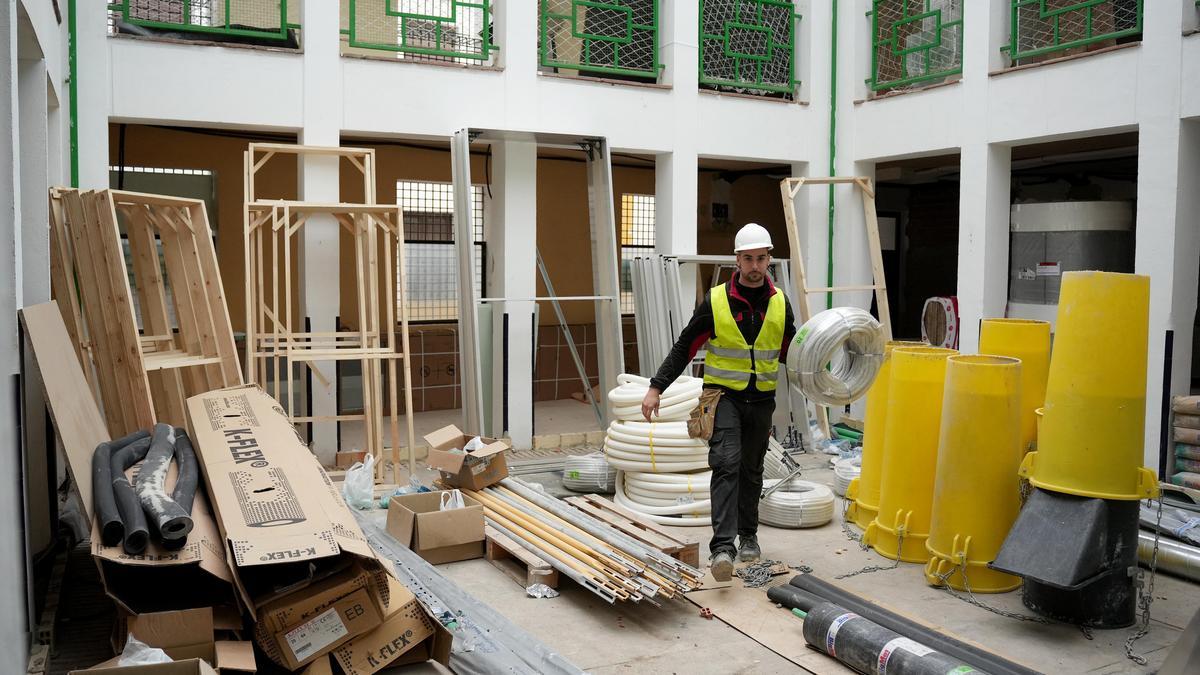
(189, 472)
(164, 515)
(103, 502)
(136, 535)
(928, 636)
(868, 647)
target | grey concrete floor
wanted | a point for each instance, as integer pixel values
(602, 638)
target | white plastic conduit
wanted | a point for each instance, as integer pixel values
(800, 503)
(667, 498)
(837, 354)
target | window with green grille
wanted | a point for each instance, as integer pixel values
(915, 42)
(439, 30)
(614, 37)
(637, 240)
(262, 19)
(748, 46)
(1049, 28)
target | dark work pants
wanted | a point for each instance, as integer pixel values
(735, 455)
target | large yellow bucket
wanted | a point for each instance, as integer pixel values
(863, 491)
(910, 446)
(975, 495)
(1091, 441)
(1030, 342)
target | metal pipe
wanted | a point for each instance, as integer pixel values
(134, 520)
(905, 626)
(112, 530)
(1173, 557)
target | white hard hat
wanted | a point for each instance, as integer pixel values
(752, 236)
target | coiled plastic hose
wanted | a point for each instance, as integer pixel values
(800, 503)
(676, 403)
(667, 498)
(776, 463)
(654, 447)
(589, 473)
(836, 355)
(844, 471)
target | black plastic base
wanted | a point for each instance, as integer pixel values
(1110, 602)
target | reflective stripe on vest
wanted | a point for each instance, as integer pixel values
(728, 360)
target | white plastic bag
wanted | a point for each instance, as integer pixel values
(358, 489)
(474, 444)
(452, 499)
(138, 653)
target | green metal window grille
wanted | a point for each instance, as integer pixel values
(1044, 27)
(263, 19)
(915, 42)
(748, 45)
(439, 30)
(614, 37)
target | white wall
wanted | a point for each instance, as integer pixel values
(1147, 87)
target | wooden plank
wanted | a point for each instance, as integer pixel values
(877, 271)
(76, 416)
(522, 566)
(215, 290)
(62, 277)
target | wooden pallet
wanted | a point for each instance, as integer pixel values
(524, 567)
(637, 526)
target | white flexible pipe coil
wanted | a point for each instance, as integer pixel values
(800, 503)
(844, 471)
(667, 498)
(836, 355)
(676, 403)
(775, 465)
(589, 473)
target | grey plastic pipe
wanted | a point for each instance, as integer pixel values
(1173, 557)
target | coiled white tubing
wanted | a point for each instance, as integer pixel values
(837, 354)
(774, 465)
(675, 404)
(844, 471)
(663, 498)
(800, 503)
(589, 473)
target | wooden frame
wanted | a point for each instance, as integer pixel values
(141, 366)
(788, 188)
(275, 340)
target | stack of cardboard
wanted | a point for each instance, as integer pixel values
(300, 563)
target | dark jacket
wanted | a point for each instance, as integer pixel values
(749, 319)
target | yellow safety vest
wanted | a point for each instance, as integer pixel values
(729, 361)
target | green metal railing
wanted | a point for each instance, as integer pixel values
(748, 45)
(614, 37)
(456, 30)
(265, 19)
(1042, 27)
(914, 42)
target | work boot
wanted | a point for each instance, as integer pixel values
(748, 550)
(722, 565)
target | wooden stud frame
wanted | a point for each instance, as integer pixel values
(788, 189)
(273, 340)
(143, 368)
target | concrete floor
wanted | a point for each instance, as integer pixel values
(602, 638)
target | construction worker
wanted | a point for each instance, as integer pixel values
(745, 326)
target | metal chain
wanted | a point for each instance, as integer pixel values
(1146, 597)
(876, 568)
(851, 534)
(972, 600)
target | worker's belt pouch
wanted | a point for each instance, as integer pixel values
(700, 424)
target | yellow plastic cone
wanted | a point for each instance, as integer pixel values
(975, 495)
(863, 491)
(910, 446)
(1030, 342)
(1091, 441)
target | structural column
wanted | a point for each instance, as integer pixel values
(318, 181)
(1168, 240)
(984, 186)
(513, 251)
(94, 92)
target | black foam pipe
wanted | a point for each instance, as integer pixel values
(989, 661)
(167, 518)
(112, 530)
(136, 534)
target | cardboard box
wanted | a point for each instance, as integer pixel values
(418, 522)
(408, 635)
(475, 470)
(189, 667)
(283, 522)
(295, 629)
(188, 634)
